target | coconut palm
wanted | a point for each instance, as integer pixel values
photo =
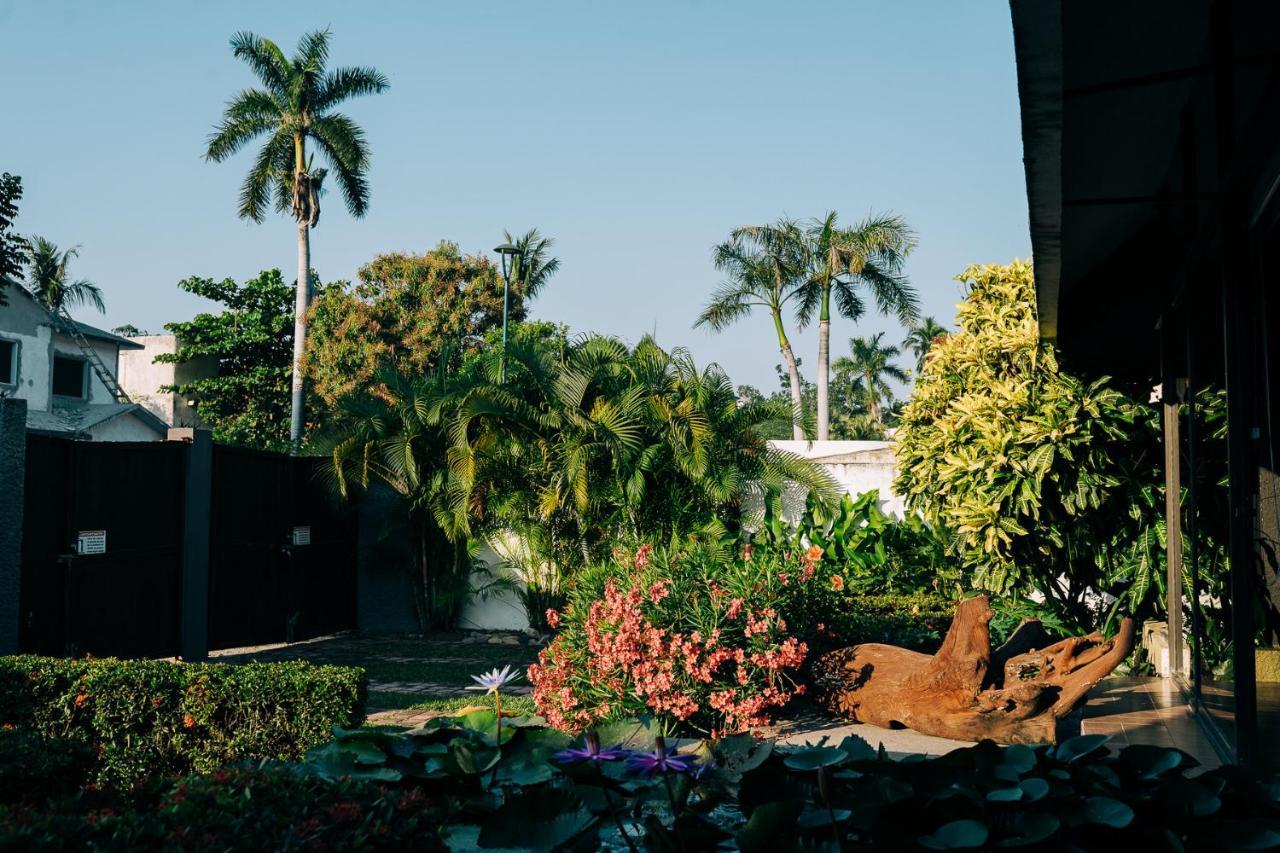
(871, 362)
(49, 278)
(765, 265)
(853, 264)
(922, 337)
(533, 264)
(296, 105)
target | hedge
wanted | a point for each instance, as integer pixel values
(277, 807)
(142, 716)
(916, 621)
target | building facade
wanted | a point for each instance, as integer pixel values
(42, 362)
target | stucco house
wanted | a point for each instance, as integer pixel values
(52, 366)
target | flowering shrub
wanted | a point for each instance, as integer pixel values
(698, 638)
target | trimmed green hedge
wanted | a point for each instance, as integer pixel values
(917, 621)
(141, 717)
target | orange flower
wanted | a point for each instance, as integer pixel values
(814, 554)
(837, 582)
(81, 698)
(188, 721)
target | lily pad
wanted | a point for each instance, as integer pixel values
(957, 835)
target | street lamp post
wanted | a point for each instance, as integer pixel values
(508, 253)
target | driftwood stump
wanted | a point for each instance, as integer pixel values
(1015, 694)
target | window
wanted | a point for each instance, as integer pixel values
(68, 377)
(8, 362)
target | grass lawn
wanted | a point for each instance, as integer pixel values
(427, 673)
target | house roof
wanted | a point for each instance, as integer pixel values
(103, 335)
(67, 419)
(1125, 164)
(84, 328)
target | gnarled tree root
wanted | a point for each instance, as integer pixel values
(1016, 694)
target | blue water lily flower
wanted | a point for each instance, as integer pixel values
(589, 751)
(493, 681)
(660, 761)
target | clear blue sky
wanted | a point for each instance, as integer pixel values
(636, 134)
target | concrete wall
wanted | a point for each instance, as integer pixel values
(497, 607)
(126, 427)
(858, 466)
(23, 322)
(13, 449)
(141, 377)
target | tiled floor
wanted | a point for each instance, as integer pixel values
(1133, 710)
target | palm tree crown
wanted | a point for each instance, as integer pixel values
(533, 264)
(922, 337)
(872, 363)
(49, 279)
(765, 268)
(296, 104)
(851, 264)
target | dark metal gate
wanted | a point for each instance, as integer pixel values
(103, 544)
(128, 498)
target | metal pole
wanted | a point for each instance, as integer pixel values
(506, 299)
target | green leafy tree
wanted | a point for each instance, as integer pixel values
(242, 356)
(867, 368)
(13, 247)
(765, 268)
(49, 278)
(1030, 468)
(921, 338)
(853, 265)
(404, 314)
(296, 105)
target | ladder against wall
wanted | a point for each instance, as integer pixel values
(71, 329)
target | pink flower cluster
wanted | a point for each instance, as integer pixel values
(617, 658)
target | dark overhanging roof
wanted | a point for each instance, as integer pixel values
(1120, 151)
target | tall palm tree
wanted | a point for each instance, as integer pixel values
(296, 104)
(851, 263)
(922, 337)
(49, 278)
(765, 265)
(533, 264)
(872, 363)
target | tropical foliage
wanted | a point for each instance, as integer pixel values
(921, 338)
(868, 369)
(50, 281)
(585, 444)
(1033, 471)
(764, 268)
(242, 355)
(296, 105)
(13, 247)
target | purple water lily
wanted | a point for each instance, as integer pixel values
(660, 761)
(589, 751)
(493, 681)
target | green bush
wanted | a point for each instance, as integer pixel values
(143, 717)
(33, 768)
(241, 809)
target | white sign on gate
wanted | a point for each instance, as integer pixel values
(91, 542)
(302, 535)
